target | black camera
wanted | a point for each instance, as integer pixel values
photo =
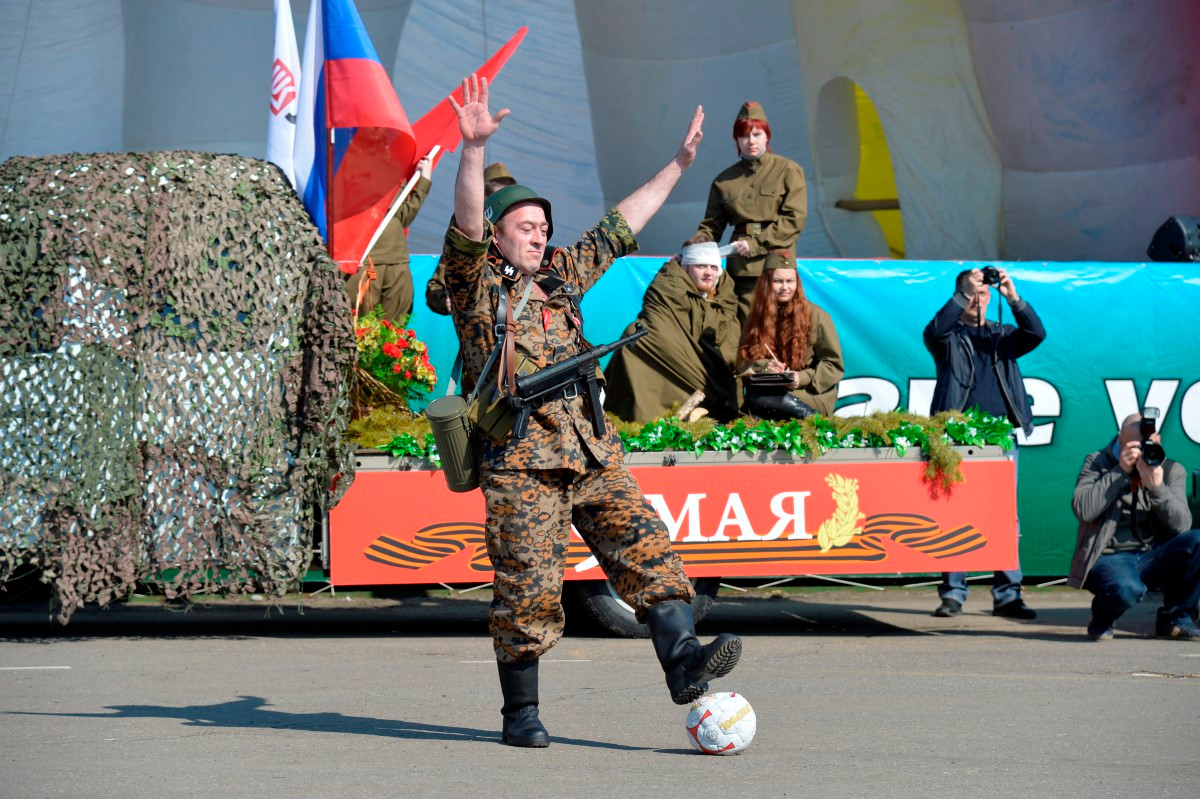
(991, 276)
(1152, 451)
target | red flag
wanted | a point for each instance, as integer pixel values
(440, 125)
(346, 88)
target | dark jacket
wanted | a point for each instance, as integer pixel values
(954, 358)
(1095, 503)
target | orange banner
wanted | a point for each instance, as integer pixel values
(746, 520)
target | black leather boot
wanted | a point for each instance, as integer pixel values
(519, 683)
(688, 665)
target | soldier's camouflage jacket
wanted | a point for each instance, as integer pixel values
(560, 434)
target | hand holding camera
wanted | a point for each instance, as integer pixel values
(1152, 451)
(994, 276)
(1145, 454)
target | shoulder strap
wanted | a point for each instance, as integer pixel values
(506, 377)
(502, 315)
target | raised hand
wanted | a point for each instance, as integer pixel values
(1006, 287)
(475, 121)
(687, 150)
(425, 167)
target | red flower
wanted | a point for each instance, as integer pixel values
(411, 333)
(393, 351)
(407, 374)
(361, 331)
(396, 369)
(401, 345)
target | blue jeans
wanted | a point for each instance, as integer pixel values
(1119, 580)
(1006, 587)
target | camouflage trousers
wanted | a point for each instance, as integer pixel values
(529, 517)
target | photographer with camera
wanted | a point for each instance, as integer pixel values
(1133, 533)
(976, 363)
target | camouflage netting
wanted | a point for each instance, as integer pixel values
(174, 350)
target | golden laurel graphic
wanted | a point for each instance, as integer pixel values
(843, 525)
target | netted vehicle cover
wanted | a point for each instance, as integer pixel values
(174, 351)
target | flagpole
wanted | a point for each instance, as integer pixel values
(329, 188)
(400, 198)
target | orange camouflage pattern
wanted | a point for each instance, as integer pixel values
(561, 472)
(529, 517)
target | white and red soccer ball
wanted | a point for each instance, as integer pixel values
(721, 724)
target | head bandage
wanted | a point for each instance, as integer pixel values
(706, 252)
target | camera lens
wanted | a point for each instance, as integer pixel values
(1153, 453)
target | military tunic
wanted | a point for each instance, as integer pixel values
(393, 288)
(436, 295)
(765, 201)
(692, 345)
(819, 377)
(561, 473)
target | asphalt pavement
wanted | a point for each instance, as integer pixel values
(858, 693)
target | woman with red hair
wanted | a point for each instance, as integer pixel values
(763, 197)
(790, 359)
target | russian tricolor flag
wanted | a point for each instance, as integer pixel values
(347, 188)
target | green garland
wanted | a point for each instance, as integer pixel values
(402, 436)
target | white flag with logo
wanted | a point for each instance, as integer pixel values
(285, 92)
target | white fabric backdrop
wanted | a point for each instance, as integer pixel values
(1024, 129)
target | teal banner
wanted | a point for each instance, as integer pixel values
(1119, 336)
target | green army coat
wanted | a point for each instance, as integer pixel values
(560, 434)
(819, 377)
(393, 289)
(392, 247)
(765, 201)
(692, 345)
(436, 296)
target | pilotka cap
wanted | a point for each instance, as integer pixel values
(752, 110)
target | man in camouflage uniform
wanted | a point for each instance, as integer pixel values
(561, 472)
(495, 177)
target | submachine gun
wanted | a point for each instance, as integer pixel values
(564, 380)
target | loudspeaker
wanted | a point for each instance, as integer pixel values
(1178, 239)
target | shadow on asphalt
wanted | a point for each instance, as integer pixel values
(253, 712)
(778, 616)
(454, 617)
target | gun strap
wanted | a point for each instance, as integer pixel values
(487, 367)
(506, 375)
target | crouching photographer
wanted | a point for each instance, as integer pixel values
(1134, 533)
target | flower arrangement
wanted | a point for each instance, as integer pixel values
(936, 436)
(392, 358)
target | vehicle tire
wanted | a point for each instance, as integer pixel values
(613, 616)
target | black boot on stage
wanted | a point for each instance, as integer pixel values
(688, 665)
(519, 682)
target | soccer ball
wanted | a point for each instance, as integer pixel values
(721, 724)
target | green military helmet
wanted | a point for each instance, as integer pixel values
(499, 203)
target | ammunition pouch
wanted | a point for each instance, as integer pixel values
(492, 414)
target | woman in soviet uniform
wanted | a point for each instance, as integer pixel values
(691, 313)
(788, 334)
(763, 197)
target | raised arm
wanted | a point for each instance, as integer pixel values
(477, 124)
(638, 208)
